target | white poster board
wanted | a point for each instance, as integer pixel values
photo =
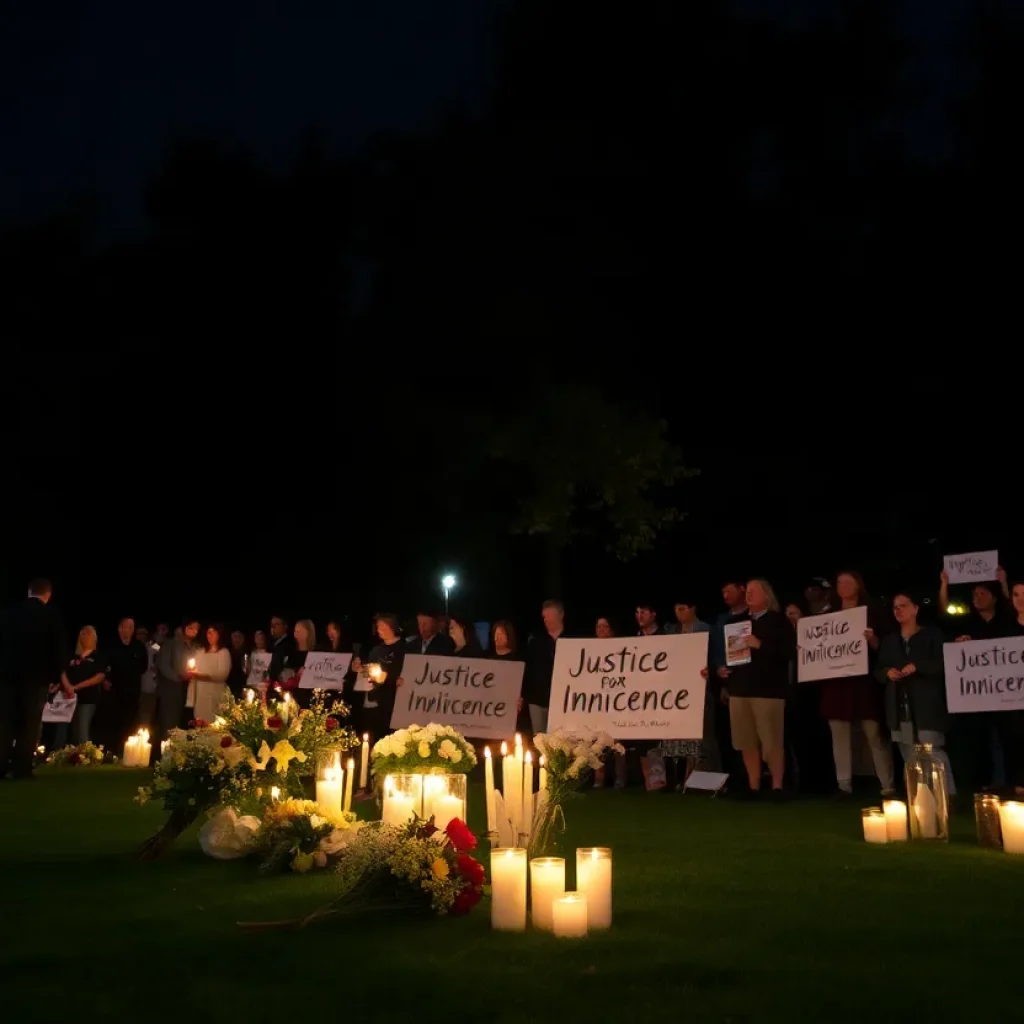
(973, 567)
(477, 696)
(60, 709)
(259, 666)
(984, 675)
(324, 671)
(646, 687)
(736, 650)
(832, 646)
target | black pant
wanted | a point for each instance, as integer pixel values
(21, 716)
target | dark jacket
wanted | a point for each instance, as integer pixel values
(767, 674)
(279, 651)
(32, 651)
(540, 664)
(440, 644)
(925, 690)
(129, 662)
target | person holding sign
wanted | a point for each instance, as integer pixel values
(387, 656)
(82, 678)
(850, 699)
(758, 689)
(911, 665)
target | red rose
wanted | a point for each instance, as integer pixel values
(197, 723)
(466, 900)
(226, 741)
(470, 869)
(331, 724)
(459, 836)
(275, 722)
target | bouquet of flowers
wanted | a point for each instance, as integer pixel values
(412, 868)
(570, 755)
(249, 750)
(295, 834)
(84, 755)
(423, 748)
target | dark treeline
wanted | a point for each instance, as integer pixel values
(642, 179)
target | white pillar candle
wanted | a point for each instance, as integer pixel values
(350, 770)
(398, 807)
(330, 790)
(165, 745)
(926, 812)
(364, 761)
(543, 774)
(508, 890)
(131, 749)
(528, 794)
(1011, 820)
(446, 807)
(145, 753)
(547, 881)
(433, 790)
(569, 916)
(492, 821)
(896, 820)
(594, 878)
(875, 825)
(250, 696)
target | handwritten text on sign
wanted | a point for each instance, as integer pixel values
(832, 646)
(646, 687)
(259, 666)
(60, 709)
(985, 675)
(973, 567)
(324, 671)
(476, 696)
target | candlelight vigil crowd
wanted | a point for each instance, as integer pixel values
(773, 734)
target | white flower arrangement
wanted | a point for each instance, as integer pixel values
(568, 753)
(423, 748)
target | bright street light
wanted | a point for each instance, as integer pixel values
(447, 582)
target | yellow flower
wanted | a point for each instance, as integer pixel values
(439, 868)
(424, 749)
(302, 862)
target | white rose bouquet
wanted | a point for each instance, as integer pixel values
(423, 748)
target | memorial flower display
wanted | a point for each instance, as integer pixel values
(82, 756)
(249, 751)
(416, 868)
(570, 757)
(423, 748)
(296, 834)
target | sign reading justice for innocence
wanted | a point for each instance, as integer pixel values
(477, 696)
(644, 687)
(985, 675)
(832, 646)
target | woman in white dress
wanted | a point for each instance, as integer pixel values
(213, 666)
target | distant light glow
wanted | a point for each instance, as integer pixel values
(448, 582)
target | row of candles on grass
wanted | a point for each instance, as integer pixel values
(511, 810)
(567, 915)
(1000, 823)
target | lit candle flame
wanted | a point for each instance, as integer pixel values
(487, 752)
(504, 749)
(275, 793)
(250, 696)
(191, 663)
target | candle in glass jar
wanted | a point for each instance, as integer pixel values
(508, 889)
(398, 807)
(364, 761)
(492, 817)
(594, 879)
(569, 916)
(986, 819)
(350, 770)
(875, 827)
(1011, 818)
(895, 820)
(547, 881)
(329, 790)
(446, 807)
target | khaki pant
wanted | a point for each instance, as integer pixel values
(842, 753)
(757, 722)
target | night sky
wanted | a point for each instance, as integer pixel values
(863, 450)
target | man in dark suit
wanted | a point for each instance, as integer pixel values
(32, 658)
(430, 639)
(282, 644)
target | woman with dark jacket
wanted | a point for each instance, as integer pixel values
(910, 664)
(757, 690)
(463, 636)
(384, 670)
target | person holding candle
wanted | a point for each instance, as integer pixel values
(389, 655)
(910, 663)
(173, 676)
(213, 666)
(83, 677)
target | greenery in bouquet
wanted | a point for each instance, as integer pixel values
(250, 749)
(423, 748)
(84, 755)
(296, 834)
(570, 757)
(412, 868)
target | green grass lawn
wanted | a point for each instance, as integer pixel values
(724, 912)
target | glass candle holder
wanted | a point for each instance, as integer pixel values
(986, 819)
(330, 785)
(569, 916)
(403, 797)
(927, 795)
(594, 880)
(444, 798)
(1011, 821)
(547, 881)
(896, 820)
(876, 829)
(508, 889)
